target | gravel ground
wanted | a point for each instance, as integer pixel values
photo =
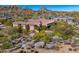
(63, 49)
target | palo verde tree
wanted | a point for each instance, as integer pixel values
(42, 36)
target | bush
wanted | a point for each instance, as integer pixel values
(14, 36)
(43, 36)
(8, 23)
(6, 45)
(40, 28)
(19, 28)
(63, 29)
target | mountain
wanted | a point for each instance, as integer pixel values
(18, 13)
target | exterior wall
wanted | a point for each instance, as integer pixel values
(32, 23)
(24, 27)
(31, 27)
(14, 25)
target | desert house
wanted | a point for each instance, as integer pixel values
(67, 19)
(32, 23)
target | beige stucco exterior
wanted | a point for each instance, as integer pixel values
(31, 23)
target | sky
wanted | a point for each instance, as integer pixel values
(52, 7)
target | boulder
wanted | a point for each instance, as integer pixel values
(56, 39)
(67, 41)
(50, 45)
(29, 39)
(23, 46)
(39, 44)
(30, 44)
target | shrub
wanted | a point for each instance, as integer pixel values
(43, 36)
(6, 45)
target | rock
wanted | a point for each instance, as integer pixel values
(50, 45)
(67, 42)
(36, 51)
(20, 40)
(70, 49)
(75, 49)
(22, 51)
(29, 39)
(29, 44)
(54, 40)
(57, 39)
(32, 51)
(23, 46)
(39, 44)
(31, 34)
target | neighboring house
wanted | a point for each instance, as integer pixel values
(67, 19)
(32, 23)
